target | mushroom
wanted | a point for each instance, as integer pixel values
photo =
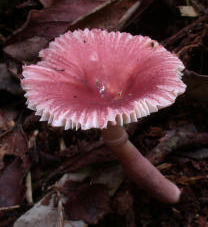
(98, 79)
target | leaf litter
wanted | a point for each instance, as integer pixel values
(175, 140)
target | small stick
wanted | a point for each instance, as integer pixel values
(9, 208)
(28, 193)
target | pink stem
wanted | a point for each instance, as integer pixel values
(138, 168)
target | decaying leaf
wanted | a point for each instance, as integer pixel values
(86, 195)
(88, 192)
(113, 15)
(7, 83)
(89, 202)
(158, 21)
(52, 21)
(197, 86)
(82, 156)
(3, 123)
(123, 204)
(11, 189)
(41, 215)
(26, 49)
(42, 26)
(14, 143)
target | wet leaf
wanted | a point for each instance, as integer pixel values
(26, 49)
(80, 158)
(11, 189)
(52, 21)
(197, 86)
(87, 202)
(14, 143)
(123, 204)
(7, 83)
(113, 15)
(40, 27)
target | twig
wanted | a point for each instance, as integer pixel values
(7, 132)
(28, 193)
(175, 140)
(9, 208)
(127, 16)
(184, 31)
(200, 8)
(187, 48)
(191, 180)
(190, 73)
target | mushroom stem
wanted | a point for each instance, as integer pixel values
(139, 168)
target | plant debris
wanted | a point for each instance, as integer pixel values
(73, 174)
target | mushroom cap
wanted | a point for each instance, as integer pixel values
(88, 78)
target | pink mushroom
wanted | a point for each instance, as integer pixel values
(99, 79)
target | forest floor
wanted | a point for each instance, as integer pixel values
(34, 156)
